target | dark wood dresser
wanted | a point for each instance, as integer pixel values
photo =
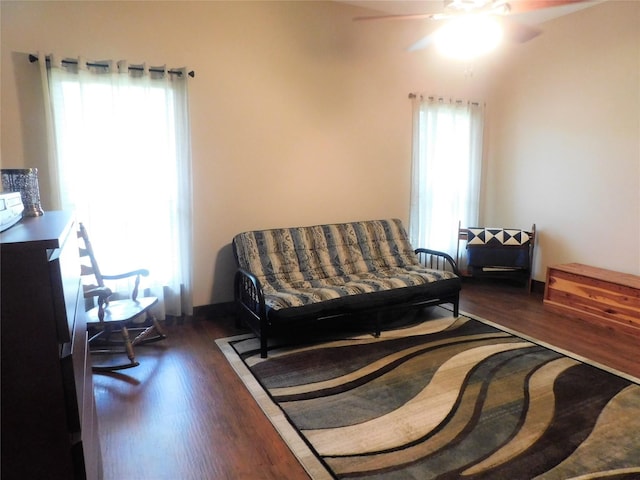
(49, 422)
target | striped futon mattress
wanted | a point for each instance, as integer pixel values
(325, 269)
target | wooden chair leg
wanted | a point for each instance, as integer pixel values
(127, 344)
(158, 326)
(153, 333)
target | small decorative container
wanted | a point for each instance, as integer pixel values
(25, 181)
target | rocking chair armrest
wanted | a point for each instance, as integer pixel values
(103, 294)
(100, 292)
(141, 272)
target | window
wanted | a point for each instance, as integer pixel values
(121, 149)
(447, 160)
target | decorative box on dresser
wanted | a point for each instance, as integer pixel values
(49, 422)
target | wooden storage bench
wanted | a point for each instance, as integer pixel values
(602, 296)
(498, 252)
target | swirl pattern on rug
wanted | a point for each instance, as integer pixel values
(453, 398)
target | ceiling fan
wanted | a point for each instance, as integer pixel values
(466, 12)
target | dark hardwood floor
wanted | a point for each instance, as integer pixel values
(184, 414)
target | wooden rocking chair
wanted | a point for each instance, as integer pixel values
(107, 317)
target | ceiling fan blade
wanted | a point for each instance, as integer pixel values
(514, 7)
(421, 44)
(513, 32)
(521, 6)
(411, 16)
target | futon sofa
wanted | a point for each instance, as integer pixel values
(311, 273)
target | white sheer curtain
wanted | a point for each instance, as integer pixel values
(446, 170)
(121, 160)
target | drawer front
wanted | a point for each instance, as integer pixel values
(593, 297)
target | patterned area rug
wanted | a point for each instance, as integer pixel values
(443, 398)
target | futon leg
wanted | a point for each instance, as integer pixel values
(238, 316)
(378, 324)
(263, 345)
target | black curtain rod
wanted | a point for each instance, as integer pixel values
(34, 58)
(432, 97)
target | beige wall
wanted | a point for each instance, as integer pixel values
(564, 147)
(300, 116)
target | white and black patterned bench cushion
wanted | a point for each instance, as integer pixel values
(501, 248)
(497, 236)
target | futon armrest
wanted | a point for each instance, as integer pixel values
(436, 259)
(248, 293)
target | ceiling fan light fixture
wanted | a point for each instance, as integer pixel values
(469, 36)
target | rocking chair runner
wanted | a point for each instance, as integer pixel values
(115, 317)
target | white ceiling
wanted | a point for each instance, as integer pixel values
(410, 7)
